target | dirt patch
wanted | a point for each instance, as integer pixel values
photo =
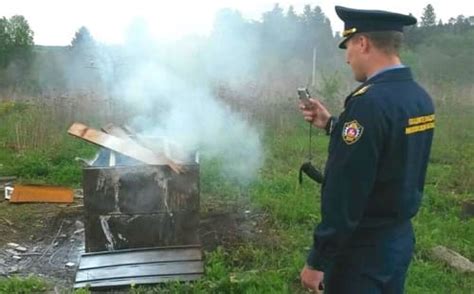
(50, 239)
(52, 236)
(229, 226)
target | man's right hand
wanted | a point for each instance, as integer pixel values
(315, 113)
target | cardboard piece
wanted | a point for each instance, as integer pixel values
(37, 193)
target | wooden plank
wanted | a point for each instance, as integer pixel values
(140, 270)
(126, 147)
(114, 130)
(35, 193)
(123, 134)
(130, 132)
(136, 281)
(127, 257)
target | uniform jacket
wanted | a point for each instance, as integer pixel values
(376, 167)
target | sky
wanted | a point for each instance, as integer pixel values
(54, 22)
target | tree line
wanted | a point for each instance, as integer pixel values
(280, 48)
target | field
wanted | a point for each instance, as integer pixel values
(266, 255)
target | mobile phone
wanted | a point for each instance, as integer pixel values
(304, 96)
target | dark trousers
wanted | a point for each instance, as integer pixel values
(376, 262)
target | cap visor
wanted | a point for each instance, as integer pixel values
(342, 44)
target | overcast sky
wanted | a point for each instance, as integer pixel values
(55, 21)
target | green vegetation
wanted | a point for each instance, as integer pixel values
(34, 148)
(18, 285)
(16, 38)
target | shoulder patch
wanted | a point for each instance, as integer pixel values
(361, 91)
(351, 132)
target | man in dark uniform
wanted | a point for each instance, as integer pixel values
(375, 172)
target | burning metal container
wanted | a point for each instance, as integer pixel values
(140, 206)
(141, 220)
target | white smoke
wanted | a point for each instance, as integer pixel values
(172, 97)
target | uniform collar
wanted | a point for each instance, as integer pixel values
(394, 74)
(391, 67)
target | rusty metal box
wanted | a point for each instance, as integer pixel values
(140, 206)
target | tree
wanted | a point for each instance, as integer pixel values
(83, 47)
(20, 32)
(83, 39)
(16, 39)
(461, 20)
(228, 22)
(428, 18)
(232, 47)
(292, 30)
(272, 37)
(273, 24)
(5, 42)
(291, 14)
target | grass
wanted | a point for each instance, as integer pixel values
(271, 264)
(36, 148)
(16, 285)
(54, 165)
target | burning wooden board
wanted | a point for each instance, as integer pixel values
(118, 132)
(163, 146)
(124, 146)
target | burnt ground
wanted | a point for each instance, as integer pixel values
(52, 236)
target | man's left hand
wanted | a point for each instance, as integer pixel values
(311, 279)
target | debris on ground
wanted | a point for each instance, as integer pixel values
(8, 192)
(6, 221)
(79, 225)
(21, 249)
(78, 193)
(467, 209)
(6, 182)
(453, 259)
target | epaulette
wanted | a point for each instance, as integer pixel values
(361, 91)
